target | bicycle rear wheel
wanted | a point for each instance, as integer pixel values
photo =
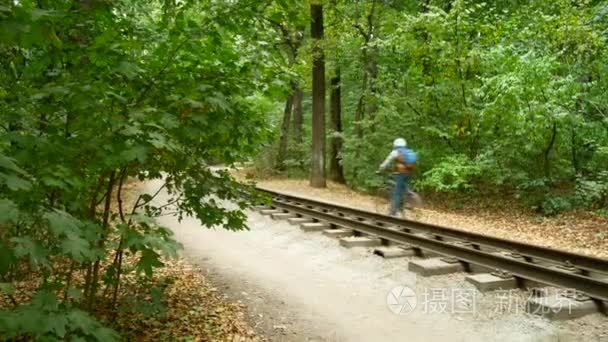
(413, 200)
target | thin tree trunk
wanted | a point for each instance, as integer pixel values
(284, 133)
(426, 62)
(297, 115)
(372, 70)
(575, 161)
(547, 152)
(359, 111)
(102, 240)
(92, 214)
(293, 43)
(371, 66)
(369, 59)
(317, 174)
(335, 165)
(117, 283)
(297, 92)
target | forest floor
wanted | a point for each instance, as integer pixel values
(195, 309)
(579, 231)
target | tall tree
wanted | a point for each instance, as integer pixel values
(285, 22)
(317, 174)
(298, 116)
(284, 132)
(369, 59)
(293, 103)
(335, 164)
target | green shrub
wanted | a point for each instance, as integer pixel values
(454, 173)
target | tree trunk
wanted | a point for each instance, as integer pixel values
(335, 166)
(284, 133)
(293, 43)
(372, 107)
(371, 66)
(547, 152)
(317, 174)
(359, 112)
(297, 115)
(297, 93)
(573, 147)
(366, 105)
(426, 62)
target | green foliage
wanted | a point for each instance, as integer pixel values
(555, 204)
(506, 96)
(92, 95)
(455, 173)
(45, 318)
(590, 192)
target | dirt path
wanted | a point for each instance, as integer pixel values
(302, 287)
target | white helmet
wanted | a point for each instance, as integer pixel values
(399, 142)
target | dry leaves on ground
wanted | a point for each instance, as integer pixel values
(195, 311)
(189, 308)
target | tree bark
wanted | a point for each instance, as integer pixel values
(547, 151)
(297, 94)
(335, 165)
(359, 112)
(284, 133)
(371, 65)
(292, 41)
(102, 240)
(574, 152)
(297, 115)
(317, 174)
(426, 62)
(366, 106)
(372, 70)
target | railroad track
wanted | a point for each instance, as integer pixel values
(528, 265)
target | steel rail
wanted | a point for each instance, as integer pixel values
(530, 252)
(594, 288)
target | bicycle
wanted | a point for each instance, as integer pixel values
(383, 199)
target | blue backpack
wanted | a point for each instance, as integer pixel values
(407, 157)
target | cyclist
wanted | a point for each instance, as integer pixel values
(404, 162)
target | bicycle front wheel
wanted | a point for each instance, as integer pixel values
(382, 205)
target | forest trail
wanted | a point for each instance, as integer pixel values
(301, 287)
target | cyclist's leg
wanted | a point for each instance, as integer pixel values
(406, 190)
(398, 192)
(394, 196)
(389, 190)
